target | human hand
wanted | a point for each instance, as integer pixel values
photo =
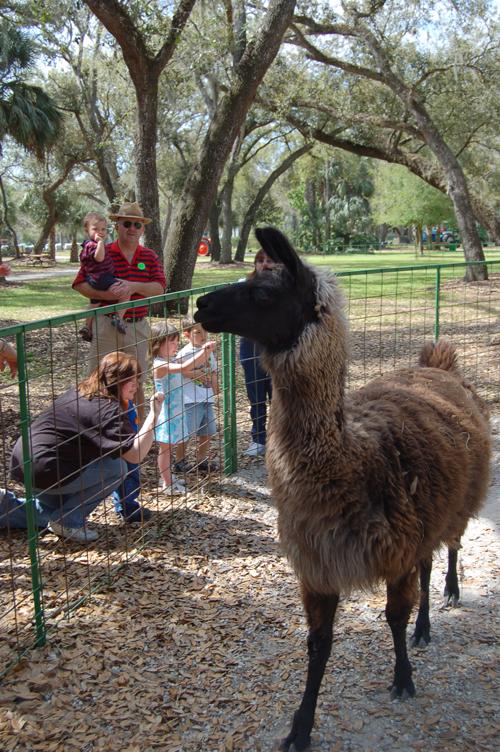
(209, 347)
(155, 402)
(99, 235)
(120, 291)
(12, 366)
(9, 356)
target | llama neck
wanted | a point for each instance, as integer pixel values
(308, 388)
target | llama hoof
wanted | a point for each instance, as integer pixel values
(419, 642)
(287, 746)
(420, 638)
(451, 598)
(296, 741)
(403, 693)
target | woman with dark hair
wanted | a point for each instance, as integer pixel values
(257, 381)
(78, 450)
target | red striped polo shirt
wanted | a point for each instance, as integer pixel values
(145, 267)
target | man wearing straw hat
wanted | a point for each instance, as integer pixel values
(140, 275)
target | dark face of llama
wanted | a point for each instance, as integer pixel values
(273, 307)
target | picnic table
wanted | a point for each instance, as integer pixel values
(38, 259)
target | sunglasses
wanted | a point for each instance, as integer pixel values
(128, 223)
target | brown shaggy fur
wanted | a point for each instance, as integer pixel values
(369, 484)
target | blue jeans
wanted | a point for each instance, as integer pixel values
(126, 495)
(259, 387)
(69, 505)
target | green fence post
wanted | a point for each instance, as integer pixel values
(30, 513)
(229, 403)
(436, 319)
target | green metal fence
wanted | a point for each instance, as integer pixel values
(391, 313)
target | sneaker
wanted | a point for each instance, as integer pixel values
(137, 514)
(206, 467)
(174, 490)
(175, 479)
(183, 467)
(79, 534)
(255, 450)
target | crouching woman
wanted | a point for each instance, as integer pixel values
(78, 450)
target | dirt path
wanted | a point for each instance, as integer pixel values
(200, 645)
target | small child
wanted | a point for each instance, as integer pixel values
(168, 377)
(199, 393)
(126, 495)
(99, 269)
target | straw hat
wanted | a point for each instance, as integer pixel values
(128, 210)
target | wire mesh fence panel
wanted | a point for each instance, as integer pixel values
(43, 576)
(392, 313)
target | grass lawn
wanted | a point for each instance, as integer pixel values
(41, 298)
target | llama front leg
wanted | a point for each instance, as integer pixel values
(451, 589)
(422, 634)
(320, 611)
(400, 597)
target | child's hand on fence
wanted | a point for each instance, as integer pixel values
(209, 347)
(155, 402)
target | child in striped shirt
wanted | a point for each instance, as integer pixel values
(99, 270)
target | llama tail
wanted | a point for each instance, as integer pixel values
(440, 355)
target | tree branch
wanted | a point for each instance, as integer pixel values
(335, 62)
(378, 122)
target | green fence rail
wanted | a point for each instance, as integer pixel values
(391, 312)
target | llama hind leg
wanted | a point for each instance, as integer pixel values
(451, 589)
(422, 634)
(400, 597)
(320, 611)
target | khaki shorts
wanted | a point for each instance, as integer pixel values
(106, 338)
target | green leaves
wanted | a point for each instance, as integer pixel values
(27, 114)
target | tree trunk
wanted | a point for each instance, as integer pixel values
(167, 220)
(7, 223)
(201, 184)
(73, 256)
(49, 225)
(52, 243)
(418, 239)
(213, 220)
(146, 180)
(227, 218)
(145, 69)
(327, 201)
(261, 194)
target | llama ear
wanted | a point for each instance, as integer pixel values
(279, 248)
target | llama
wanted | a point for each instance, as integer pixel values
(368, 484)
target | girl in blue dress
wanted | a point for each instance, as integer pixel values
(168, 376)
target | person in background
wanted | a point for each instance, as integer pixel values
(8, 356)
(257, 381)
(140, 275)
(199, 390)
(79, 449)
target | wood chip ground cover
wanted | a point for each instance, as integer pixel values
(199, 642)
(200, 645)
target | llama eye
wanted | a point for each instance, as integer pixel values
(261, 296)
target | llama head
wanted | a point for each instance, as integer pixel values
(272, 307)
